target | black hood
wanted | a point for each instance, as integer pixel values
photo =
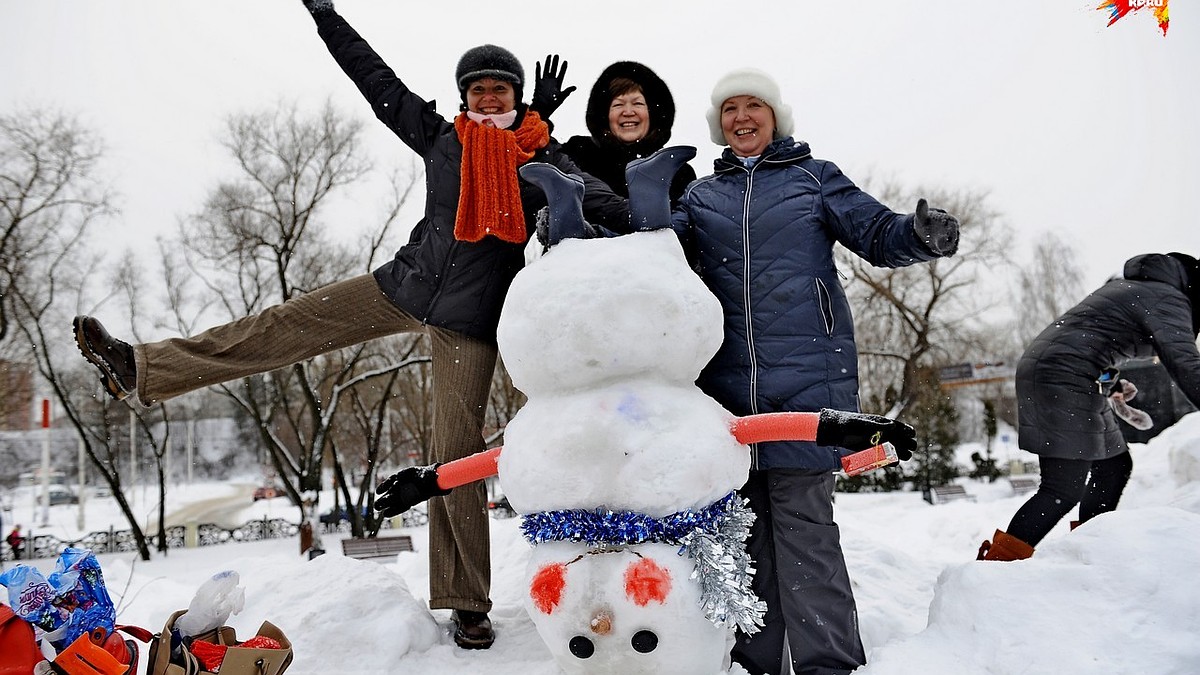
(1192, 267)
(1177, 269)
(658, 97)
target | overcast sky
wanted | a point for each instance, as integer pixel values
(1071, 126)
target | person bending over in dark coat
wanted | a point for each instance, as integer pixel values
(761, 230)
(448, 281)
(630, 113)
(1063, 413)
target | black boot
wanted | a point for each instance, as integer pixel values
(473, 629)
(564, 194)
(649, 181)
(111, 356)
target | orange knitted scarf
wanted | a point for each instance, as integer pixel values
(489, 199)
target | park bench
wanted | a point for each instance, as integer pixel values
(1023, 484)
(376, 547)
(947, 493)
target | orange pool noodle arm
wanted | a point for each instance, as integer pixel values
(469, 469)
(786, 426)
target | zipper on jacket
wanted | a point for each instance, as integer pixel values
(748, 317)
(825, 301)
(747, 314)
(749, 322)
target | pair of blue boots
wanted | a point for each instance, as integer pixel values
(649, 180)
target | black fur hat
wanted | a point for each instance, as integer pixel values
(489, 61)
(658, 97)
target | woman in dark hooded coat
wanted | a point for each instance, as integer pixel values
(1064, 414)
(630, 113)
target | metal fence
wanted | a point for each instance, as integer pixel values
(188, 536)
(178, 536)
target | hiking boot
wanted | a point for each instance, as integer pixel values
(113, 357)
(474, 629)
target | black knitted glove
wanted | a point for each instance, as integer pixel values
(548, 93)
(407, 488)
(859, 431)
(936, 228)
(541, 227)
(318, 6)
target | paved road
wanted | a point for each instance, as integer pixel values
(219, 510)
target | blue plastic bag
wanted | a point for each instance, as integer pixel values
(73, 601)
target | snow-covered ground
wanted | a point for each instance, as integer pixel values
(1118, 595)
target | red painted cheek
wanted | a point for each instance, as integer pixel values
(547, 586)
(645, 581)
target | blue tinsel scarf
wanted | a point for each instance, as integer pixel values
(714, 537)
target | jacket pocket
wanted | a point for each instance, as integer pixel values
(825, 303)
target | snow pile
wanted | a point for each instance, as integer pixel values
(1116, 596)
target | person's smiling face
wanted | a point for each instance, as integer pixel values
(748, 125)
(490, 96)
(629, 117)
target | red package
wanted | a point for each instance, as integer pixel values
(209, 655)
(261, 642)
(871, 458)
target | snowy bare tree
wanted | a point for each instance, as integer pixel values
(51, 197)
(50, 194)
(926, 315)
(1049, 285)
(263, 237)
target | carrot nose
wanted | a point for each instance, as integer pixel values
(601, 623)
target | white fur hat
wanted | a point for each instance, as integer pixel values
(749, 82)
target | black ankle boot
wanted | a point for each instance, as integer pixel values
(474, 629)
(114, 358)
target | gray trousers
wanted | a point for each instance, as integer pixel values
(340, 315)
(801, 574)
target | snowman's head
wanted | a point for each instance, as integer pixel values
(628, 610)
(602, 310)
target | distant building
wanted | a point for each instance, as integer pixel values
(16, 396)
(970, 383)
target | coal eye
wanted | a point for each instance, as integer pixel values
(644, 641)
(582, 647)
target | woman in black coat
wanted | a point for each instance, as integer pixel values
(630, 113)
(1064, 414)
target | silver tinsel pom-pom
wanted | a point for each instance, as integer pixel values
(724, 571)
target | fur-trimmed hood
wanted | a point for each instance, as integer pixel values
(658, 97)
(601, 154)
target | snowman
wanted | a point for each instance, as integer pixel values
(623, 470)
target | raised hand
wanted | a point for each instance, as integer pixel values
(548, 92)
(936, 228)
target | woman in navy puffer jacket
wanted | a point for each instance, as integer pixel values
(761, 231)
